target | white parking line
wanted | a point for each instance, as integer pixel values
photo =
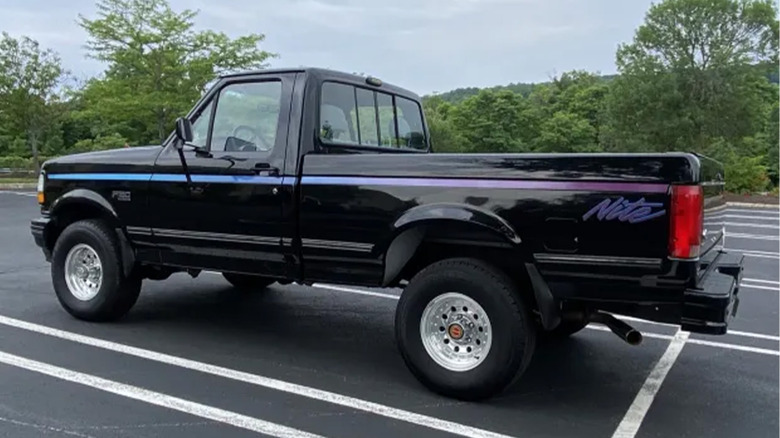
(758, 280)
(742, 224)
(757, 212)
(746, 236)
(33, 195)
(755, 286)
(356, 291)
(262, 381)
(742, 216)
(734, 347)
(631, 422)
(156, 398)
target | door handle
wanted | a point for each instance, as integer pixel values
(266, 168)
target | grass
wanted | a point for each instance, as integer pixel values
(18, 181)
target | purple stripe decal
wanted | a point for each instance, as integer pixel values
(594, 186)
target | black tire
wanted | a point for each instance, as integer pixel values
(513, 328)
(117, 293)
(565, 329)
(248, 283)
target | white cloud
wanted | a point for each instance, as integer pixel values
(424, 45)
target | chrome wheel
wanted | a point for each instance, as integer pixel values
(83, 272)
(456, 332)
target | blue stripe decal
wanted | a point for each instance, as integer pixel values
(171, 177)
(377, 181)
(101, 176)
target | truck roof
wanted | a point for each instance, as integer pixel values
(324, 74)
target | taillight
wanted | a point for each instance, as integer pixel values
(686, 222)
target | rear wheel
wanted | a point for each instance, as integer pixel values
(463, 329)
(87, 273)
(247, 283)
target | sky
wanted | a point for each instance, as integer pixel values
(423, 45)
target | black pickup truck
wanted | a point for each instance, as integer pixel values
(311, 175)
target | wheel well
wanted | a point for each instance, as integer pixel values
(451, 239)
(75, 212)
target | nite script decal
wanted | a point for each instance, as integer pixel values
(624, 210)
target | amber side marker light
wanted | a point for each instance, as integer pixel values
(41, 178)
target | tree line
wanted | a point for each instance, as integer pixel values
(699, 76)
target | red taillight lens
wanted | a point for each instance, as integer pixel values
(686, 222)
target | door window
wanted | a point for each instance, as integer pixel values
(200, 127)
(247, 117)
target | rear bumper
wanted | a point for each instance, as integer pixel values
(709, 307)
(38, 229)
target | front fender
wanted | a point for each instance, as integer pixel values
(82, 196)
(85, 199)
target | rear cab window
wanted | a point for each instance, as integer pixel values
(357, 116)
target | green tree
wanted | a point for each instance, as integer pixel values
(566, 132)
(689, 75)
(29, 76)
(494, 121)
(158, 65)
(574, 101)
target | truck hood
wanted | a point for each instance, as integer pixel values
(134, 159)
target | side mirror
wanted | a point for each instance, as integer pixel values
(183, 130)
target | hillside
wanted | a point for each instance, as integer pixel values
(460, 94)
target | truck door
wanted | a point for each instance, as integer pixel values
(229, 216)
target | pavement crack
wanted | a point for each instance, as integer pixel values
(45, 428)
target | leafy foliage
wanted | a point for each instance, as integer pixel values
(29, 76)
(158, 65)
(698, 76)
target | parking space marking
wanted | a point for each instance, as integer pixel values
(743, 224)
(357, 291)
(742, 216)
(631, 422)
(262, 381)
(734, 347)
(758, 280)
(730, 332)
(756, 286)
(30, 194)
(758, 254)
(156, 398)
(745, 236)
(757, 212)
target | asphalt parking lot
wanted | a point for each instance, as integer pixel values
(196, 359)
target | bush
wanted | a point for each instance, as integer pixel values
(746, 175)
(16, 162)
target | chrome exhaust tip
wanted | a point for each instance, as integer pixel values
(624, 331)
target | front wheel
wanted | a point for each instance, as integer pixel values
(87, 273)
(464, 330)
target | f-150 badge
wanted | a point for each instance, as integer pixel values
(624, 210)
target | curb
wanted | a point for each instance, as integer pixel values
(754, 205)
(17, 186)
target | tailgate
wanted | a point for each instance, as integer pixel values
(713, 184)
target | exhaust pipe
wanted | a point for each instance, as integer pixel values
(624, 331)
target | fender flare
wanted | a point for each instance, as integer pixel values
(94, 199)
(83, 196)
(408, 231)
